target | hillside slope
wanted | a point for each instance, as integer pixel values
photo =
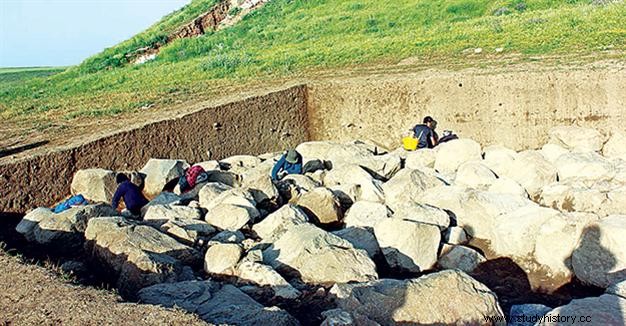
(293, 38)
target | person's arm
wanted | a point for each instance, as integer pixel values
(278, 167)
(433, 139)
(297, 169)
(117, 196)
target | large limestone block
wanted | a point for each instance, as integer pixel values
(452, 154)
(262, 189)
(212, 191)
(606, 309)
(302, 182)
(121, 236)
(478, 213)
(600, 257)
(620, 171)
(460, 257)
(230, 217)
(319, 257)
(360, 238)
(505, 185)
(64, 231)
(499, 159)
(219, 202)
(225, 177)
(139, 254)
(588, 166)
(165, 213)
(222, 258)
(408, 246)
(556, 240)
(616, 146)
(348, 194)
(164, 198)
(515, 233)
(321, 206)
(161, 171)
(455, 235)
(96, 185)
(573, 197)
(264, 276)
(615, 202)
(531, 170)
(209, 165)
(551, 152)
(450, 198)
(423, 213)
(277, 223)
(475, 175)
(188, 231)
(215, 303)
(444, 298)
(408, 186)
(368, 188)
(421, 158)
(383, 166)
(577, 139)
(366, 214)
(27, 225)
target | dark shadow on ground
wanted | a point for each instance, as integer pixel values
(23, 148)
(33, 253)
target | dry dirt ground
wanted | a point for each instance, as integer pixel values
(32, 295)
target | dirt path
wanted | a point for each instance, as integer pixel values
(31, 295)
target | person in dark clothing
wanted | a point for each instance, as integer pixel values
(448, 136)
(289, 163)
(132, 195)
(424, 133)
(433, 127)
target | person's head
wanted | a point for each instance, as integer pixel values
(428, 120)
(121, 177)
(433, 125)
(292, 156)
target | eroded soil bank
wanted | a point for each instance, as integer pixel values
(514, 108)
(254, 125)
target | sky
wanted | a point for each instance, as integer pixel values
(65, 32)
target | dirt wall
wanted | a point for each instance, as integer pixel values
(514, 108)
(255, 125)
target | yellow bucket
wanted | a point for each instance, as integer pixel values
(409, 143)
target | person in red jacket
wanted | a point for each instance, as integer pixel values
(193, 176)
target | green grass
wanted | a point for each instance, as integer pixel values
(14, 75)
(291, 37)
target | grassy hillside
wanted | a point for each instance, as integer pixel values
(288, 37)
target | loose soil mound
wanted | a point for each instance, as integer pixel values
(33, 296)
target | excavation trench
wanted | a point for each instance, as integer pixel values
(514, 109)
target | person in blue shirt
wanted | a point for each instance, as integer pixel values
(132, 195)
(289, 163)
(424, 133)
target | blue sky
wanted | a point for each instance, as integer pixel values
(65, 32)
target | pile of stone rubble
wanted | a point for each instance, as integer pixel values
(358, 210)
